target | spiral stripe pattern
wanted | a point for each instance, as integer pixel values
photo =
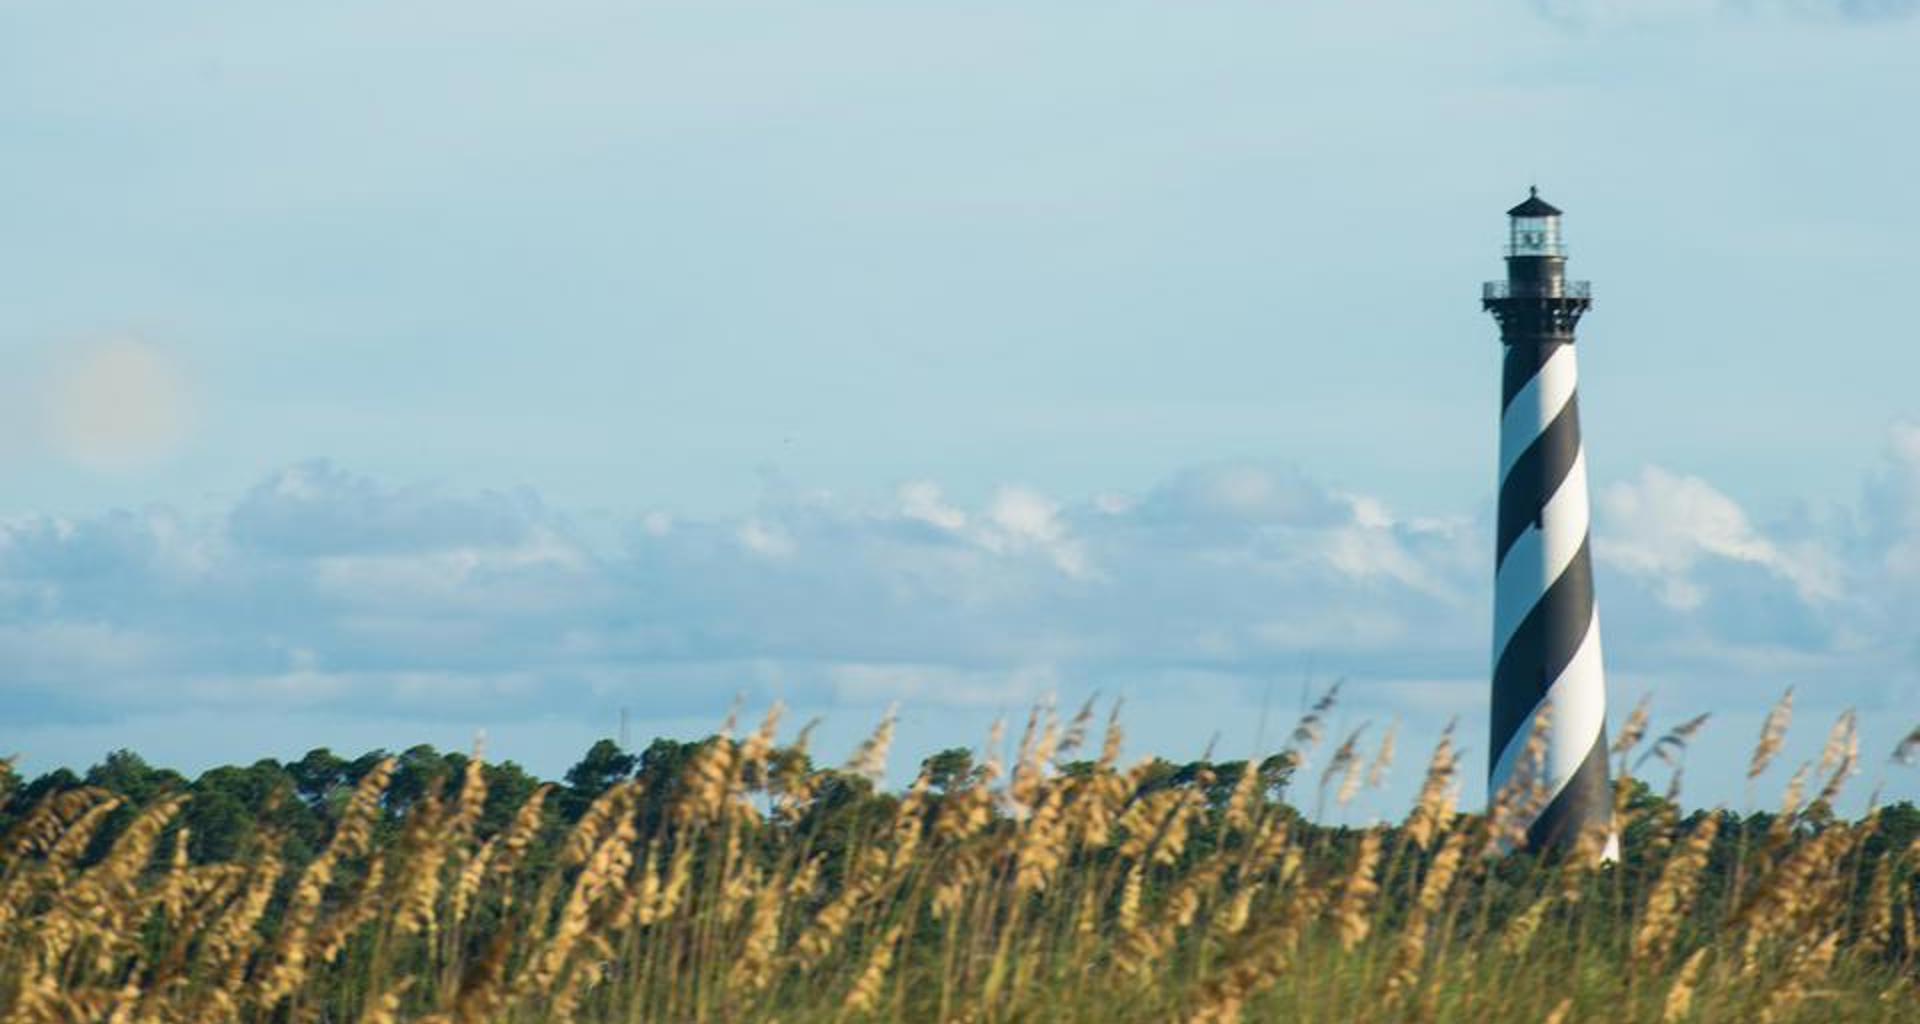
(1546, 633)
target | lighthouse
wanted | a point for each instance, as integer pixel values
(1546, 629)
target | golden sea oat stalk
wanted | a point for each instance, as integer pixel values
(864, 996)
(600, 877)
(1795, 892)
(1808, 963)
(1876, 924)
(94, 918)
(1345, 763)
(1257, 960)
(1307, 732)
(1433, 807)
(870, 760)
(1403, 972)
(1679, 1000)
(1076, 732)
(1139, 948)
(423, 843)
(65, 850)
(1671, 898)
(1841, 756)
(1773, 732)
(753, 967)
(1383, 757)
(225, 946)
(516, 840)
(363, 904)
(1352, 912)
(1633, 730)
(352, 835)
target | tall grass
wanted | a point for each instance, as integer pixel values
(744, 891)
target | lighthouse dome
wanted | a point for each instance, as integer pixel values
(1534, 207)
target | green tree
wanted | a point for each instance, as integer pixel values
(950, 769)
(603, 765)
(317, 775)
(420, 771)
(232, 807)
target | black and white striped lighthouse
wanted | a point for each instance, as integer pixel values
(1546, 631)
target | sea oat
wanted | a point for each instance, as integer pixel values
(1383, 757)
(1672, 896)
(1773, 731)
(1808, 963)
(1076, 733)
(1840, 736)
(1306, 733)
(1633, 730)
(870, 761)
(1671, 746)
(1432, 808)
(1679, 1001)
(865, 993)
(1907, 751)
(1345, 762)
(1353, 912)
(1404, 970)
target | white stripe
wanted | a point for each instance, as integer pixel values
(1535, 406)
(1578, 701)
(1540, 555)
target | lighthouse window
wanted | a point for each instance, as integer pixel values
(1535, 236)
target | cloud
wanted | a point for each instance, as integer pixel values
(1024, 520)
(116, 405)
(314, 508)
(1647, 13)
(1856, 10)
(1627, 12)
(1891, 509)
(330, 589)
(321, 592)
(1662, 526)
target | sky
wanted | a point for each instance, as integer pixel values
(385, 373)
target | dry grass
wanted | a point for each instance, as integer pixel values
(1024, 893)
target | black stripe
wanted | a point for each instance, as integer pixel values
(1585, 803)
(1540, 649)
(1522, 363)
(1535, 475)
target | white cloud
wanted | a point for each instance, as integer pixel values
(922, 500)
(657, 523)
(325, 593)
(1662, 526)
(763, 539)
(1023, 520)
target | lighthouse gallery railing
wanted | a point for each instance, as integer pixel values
(1537, 290)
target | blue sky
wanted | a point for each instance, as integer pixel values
(386, 372)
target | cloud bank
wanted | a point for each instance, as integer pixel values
(321, 592)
